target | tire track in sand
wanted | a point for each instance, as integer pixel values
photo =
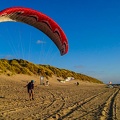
(116, 111)
(96, 112)
(62, 113)
(109, 108)
(33, 107)
(53, 108)
(70, 111)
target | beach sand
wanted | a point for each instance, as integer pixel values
(58, 101)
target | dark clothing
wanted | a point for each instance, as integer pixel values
(30, 86)
(77, 83)
(30, 89)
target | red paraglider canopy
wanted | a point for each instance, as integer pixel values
(39, 21)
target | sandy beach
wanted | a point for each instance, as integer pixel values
(58, 101)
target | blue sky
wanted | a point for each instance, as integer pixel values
(91, 26)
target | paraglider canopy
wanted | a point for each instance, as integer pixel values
(39, 21)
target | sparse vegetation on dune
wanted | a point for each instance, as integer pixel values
(15, 66)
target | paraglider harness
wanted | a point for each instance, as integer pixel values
(30, 86)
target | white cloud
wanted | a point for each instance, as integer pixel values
(40, 42)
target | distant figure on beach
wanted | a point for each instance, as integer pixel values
(77, 83)
(30, 88)
(110, 83)
(47, 83)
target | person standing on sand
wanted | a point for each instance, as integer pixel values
(77, 83)
(30, 88)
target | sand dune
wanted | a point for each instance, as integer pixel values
(59, 101)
